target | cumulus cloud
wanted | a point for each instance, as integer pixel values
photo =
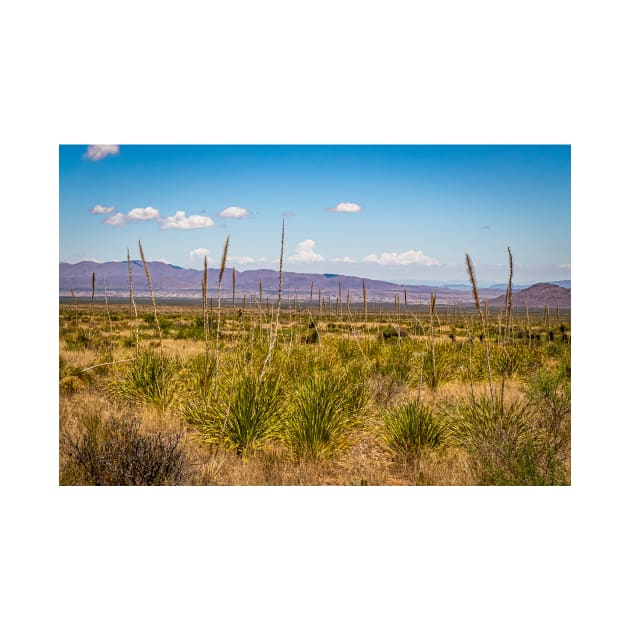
(304, 252)
(234, 212)
(345, 259)
(345, 207)
(99, 209)
(117, 219)
(411, 257)
(178, 221)
(143, 214)
(181, 222)
(99, 151)
(241, 260)
(199, 251)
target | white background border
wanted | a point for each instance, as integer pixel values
(326, 72)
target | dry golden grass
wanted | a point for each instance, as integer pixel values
(350, 341)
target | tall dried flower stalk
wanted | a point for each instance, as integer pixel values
(473, 281)
(233, 287)
(204, 300)
(148, 275)
(529, 327)
(338, 299)
(109, 319)
(508, 322)
(93, 285)
(221, 272)
(132, 302)
(508, 298)
(547, 318)
(432, 328)
(274, 334)
(365, 307)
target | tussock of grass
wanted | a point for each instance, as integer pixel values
(506, 447)
(244, 415)
(151, 379)
(322, 415)
(410, 429)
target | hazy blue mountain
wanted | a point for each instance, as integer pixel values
(174, 281)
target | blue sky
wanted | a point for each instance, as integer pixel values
(403, 213)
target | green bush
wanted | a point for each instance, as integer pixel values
(410, 429)
(391, 332)
(243, 417)
(149, 379)
(549, 394)
(323, 412)
(505, 447)
(84, 339)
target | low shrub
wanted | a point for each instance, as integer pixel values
(391, 332)
(505, 447)
(117, 453)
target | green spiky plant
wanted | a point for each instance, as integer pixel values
(505, 446)
(244, 416)
(410, 429)
(322, 416)
(150, 379)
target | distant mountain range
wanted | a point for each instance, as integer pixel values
(177, 282)
(538, 295)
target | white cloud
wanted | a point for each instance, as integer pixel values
(304, 253)
(99, 151)
(345, 259)
(181, 222)
(345, 207)
(241, 260)
(200, 251)
(565, 266)
(117, 219)
(143, 214)
(234, 212)
(411, 257)
(99, 209)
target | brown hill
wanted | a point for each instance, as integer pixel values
(538, 296)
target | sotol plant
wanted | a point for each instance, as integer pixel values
(322, 416)
(244, 416)
(410, 429)
(150, 379)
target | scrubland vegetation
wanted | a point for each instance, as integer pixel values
(316, 392)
